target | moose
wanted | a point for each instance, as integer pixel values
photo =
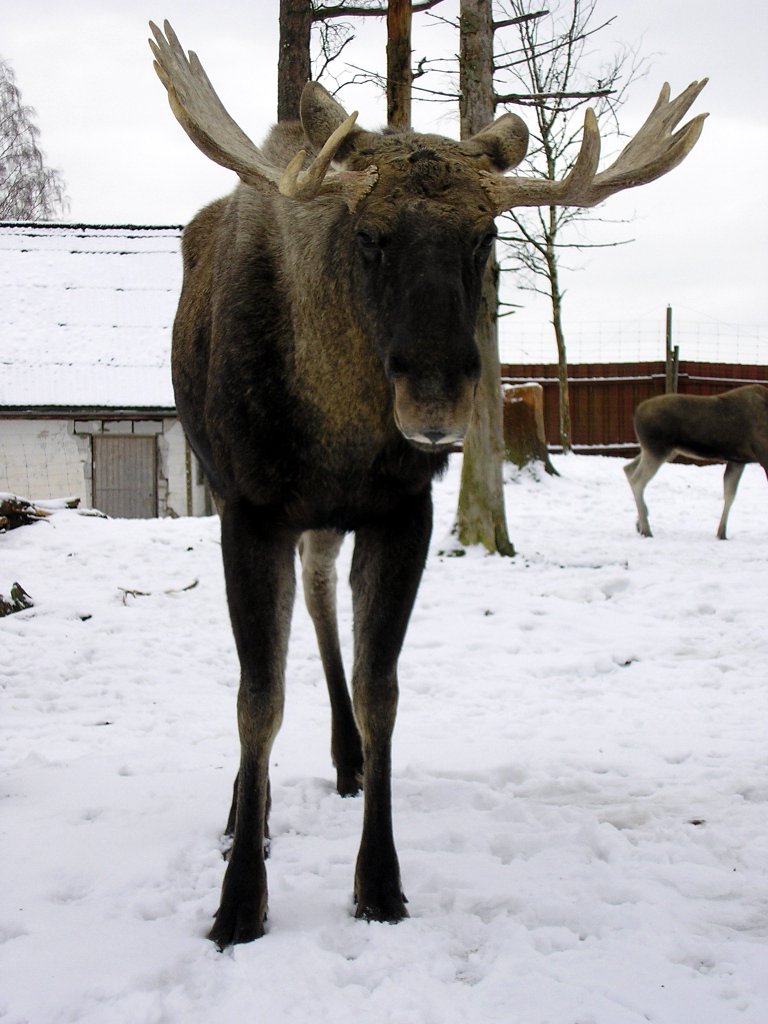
(324, 365)
(730, 427)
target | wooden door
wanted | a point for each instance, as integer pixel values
(125, 475)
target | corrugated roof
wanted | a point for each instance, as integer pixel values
(86, 315)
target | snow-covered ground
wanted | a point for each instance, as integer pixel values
(580, 776)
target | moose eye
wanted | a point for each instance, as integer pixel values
(486, 240)
(369, 245)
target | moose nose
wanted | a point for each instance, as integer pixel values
(436, 437)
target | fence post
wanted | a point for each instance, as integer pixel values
(672, 360)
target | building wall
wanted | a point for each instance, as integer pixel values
(41, 459)
(187, 493)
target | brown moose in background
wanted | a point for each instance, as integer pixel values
(730, 427)
(324, 363)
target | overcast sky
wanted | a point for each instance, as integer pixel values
(701, 233)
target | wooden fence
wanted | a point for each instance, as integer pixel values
(603, 396)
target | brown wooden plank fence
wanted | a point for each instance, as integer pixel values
(604, 396)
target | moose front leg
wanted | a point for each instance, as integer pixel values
(259, 574)
(387, 564)
(640, 471)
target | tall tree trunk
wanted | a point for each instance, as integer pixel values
(476, 103)
(562, 376)
(399, 74)
(556, 300)
(481, 517)
(293, 65)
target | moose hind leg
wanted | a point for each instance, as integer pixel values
(731, 478)
(386, 568)
(259, 573)
(319, 550)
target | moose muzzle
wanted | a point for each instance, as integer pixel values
(430, 416)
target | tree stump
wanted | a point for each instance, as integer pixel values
(524, 438)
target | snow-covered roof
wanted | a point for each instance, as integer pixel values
(86, 315)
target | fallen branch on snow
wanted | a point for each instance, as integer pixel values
(126, 592)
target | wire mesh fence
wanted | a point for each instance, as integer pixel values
(640, 341)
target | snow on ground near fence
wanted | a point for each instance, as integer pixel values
(580, 776)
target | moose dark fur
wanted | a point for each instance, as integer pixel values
(730, 427)
(324, 363)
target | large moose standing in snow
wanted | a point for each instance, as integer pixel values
(324, 364)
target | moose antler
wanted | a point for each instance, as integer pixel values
(204, 118)
(651, 153)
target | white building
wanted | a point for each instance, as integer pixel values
(86, 402)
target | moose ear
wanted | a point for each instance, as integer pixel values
(321, 115)
(501, 145)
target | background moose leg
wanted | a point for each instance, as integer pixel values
(731, 479)
(640, 471)
(259, 573)
(387, 564)
(319, 550)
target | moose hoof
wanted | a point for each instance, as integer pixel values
(239, 924)
(385, 909)
(349, 781)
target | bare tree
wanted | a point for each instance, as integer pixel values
(481, 515)
(298, 18)
(550, 71)
(400, 74)
(314, 34)
(29, 190)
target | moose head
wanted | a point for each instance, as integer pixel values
(420, 222)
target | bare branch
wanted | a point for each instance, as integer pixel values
(331, 47)
(538, 98)
(518, 20)
(321, 13)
